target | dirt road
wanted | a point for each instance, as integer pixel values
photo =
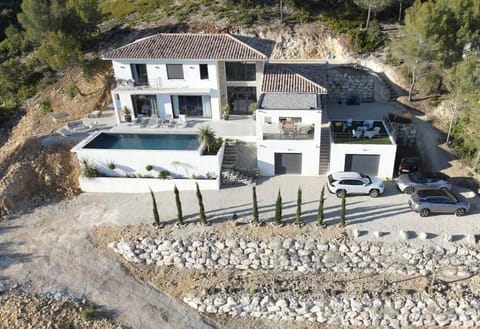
(51, 250)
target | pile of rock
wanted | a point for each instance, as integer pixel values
(303, 256)
(362, 311)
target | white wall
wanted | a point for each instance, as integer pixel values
(143, 185)
(310, 149)
(387, 154)
(135, 161)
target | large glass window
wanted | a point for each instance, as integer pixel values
(203, 71)
(191, 106)
(237, 71)
(139, 74)
(175, 71)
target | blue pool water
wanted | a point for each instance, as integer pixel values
(144, 142)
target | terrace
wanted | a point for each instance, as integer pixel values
(360, 132)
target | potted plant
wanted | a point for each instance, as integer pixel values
(127, 114)
(225, 111)
(252, 108)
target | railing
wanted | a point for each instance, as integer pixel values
(297, 131)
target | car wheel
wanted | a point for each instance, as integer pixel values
(374, 193)
(424, 212)
(409, 190)
(341, 193)
(460, 212)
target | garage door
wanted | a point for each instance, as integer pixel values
(288, 163)
(367, 164)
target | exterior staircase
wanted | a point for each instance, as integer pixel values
(393, 94)
(324, 144)
(231, 173)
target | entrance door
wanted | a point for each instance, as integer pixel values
(288, 163)
(366, 164)
(239, 98)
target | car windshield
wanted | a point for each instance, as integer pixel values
(367, 177)
(415, 177)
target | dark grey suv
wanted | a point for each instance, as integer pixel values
(426, 202)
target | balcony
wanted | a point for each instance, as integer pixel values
(293, 131)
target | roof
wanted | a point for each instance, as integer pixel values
(289, 101)
(291, 78)
(195, 46)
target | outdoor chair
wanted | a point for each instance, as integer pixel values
(348, 123)
(153, 122)
(372, 133)
(181, 121)
(357, 133)
(368, 124)
(167, 120)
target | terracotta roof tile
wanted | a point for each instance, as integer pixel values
(192, 46)
(290, 78)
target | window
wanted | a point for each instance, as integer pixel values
(203, 71)
(237, 71)
(139, 73)
(175, 71)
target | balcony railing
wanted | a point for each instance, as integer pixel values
(291, 132)
(357, 133)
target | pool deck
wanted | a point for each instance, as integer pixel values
(241, 127)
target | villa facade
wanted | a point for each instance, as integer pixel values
(169, 76)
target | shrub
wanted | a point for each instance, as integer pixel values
(148, 167)
(298, 220)
(156, 217)
(88, 169)
(179, 206)
(278, 209)
(46, 105)
(71, 91)
(164, 174)
(111, 166)
(342, 211)
(320, 208)
(203, 218)
(255, 206)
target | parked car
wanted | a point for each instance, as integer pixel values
(426, 202)
(351, 182)
(409, 165)
(410, 183)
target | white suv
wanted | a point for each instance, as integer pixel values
(351, 182)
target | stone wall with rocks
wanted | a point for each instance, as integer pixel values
(346, 82)
(363, 311)
(313, 256)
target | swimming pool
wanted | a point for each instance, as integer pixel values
(119, 141)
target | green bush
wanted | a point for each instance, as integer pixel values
(46, 105)
(88, 313)
(148, 167)
(71, 91)
(88, 169)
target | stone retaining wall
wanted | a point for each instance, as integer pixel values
(302, 256)
(360, 312)
(343, 83)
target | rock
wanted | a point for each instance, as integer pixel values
(423, 235)
(403, 235)
(448, 238)
(219, 301)
(356, 233)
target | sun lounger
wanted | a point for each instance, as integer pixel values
(181, 121)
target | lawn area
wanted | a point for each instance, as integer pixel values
(343, 134)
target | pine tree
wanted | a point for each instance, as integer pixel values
(203, 218)
(342, 211)
(179, 206)
(320, 209)
(255, 206)
(156, 217)
(278, 209)
(298, 220)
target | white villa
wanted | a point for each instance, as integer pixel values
(172, 77)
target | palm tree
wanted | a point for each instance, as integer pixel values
(206, 136)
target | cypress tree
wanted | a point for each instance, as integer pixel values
(203, 218)
(278, 209)
(255, 206)
(298, 220)
(342, 211)
(156, 217)
(320, 208)
(179, 206)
